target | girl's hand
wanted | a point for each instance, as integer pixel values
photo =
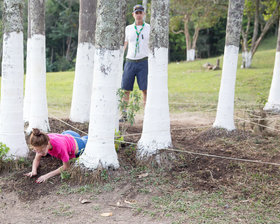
(30, 174)
(42, 179)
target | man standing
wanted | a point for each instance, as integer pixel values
(136, 64)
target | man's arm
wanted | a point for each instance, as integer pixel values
(125, 45)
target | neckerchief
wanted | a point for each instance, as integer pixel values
(137, 38)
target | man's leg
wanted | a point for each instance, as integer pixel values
(142, 79)
(126, 96)
(144, 97)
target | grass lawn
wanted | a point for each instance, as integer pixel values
(191, 87)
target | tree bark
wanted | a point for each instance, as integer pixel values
(39, 107)
(11, 107)
(144, 3)
(273, 103)
(156, 127)
(80, 107)
(100, 149)
(27, 96)
(225, 109)
(122, 39)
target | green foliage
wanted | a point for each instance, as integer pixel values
(62, 22)
(65, 175)
(118, 140)
(3, 151)
(104, 175)
(188, 15)
(129, 109)
(262, 99)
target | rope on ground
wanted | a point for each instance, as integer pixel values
(68, 124)
(189, 152)
(242, 119)
(222, 157)
(174, 129)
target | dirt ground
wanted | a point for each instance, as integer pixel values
(130, 194)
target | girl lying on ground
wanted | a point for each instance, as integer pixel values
(64, 146)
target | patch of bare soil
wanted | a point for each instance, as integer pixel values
(188, 172)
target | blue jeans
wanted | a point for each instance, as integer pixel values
(81, 141)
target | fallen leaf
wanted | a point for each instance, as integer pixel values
(143, 175)
(107, 214)
(130, 202)
(84, 201)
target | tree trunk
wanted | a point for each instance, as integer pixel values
(39, 107)
(273, 103)
(256, 23)
(189, 51)
(144, 3)
(156, 126)
(100, 149)
(80, 107)
(122, 39)
(190, 55)
(225, 110)
(11, 107)
(27, 95)
(246, 55)
(246, 59)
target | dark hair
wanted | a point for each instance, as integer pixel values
(38, 138)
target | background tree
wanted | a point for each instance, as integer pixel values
(273, 103)
(194, 15)
(38, 117)
(156, 126)
(11, 107)
(100, 149)
(62, 21)
(145, 4)
(265, 14)
(80, 107)
(225, 110)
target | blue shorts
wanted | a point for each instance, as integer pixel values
(81, 141)
(132, 69)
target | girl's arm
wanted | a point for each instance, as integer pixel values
(53, 173)
(35, 165)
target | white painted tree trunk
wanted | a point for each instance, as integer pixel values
(191, 55)
(80, 107)
(156, 126)
(273, 103)
(119, 81)
(225, 110)
(38, 108)
(100, 149)
(246, 59)
(27, 95)
(11, 117)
